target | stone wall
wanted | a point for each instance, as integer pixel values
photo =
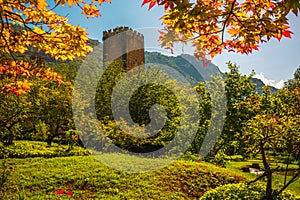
(123, 43)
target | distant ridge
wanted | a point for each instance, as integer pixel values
(192, 69)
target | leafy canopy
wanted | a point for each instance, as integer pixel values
(212, 26)
(216, 25)
(32, 24)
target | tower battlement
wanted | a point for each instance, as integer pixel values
(120, 29)
(126, 42)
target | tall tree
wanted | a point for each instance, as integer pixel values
(239, 89)
(275, 131)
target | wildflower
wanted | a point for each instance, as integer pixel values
(69, 192)
(277, 119)
(213, 153)
(198, 161)
(59, 192)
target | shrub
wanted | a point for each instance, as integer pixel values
(30, 149)
(242, 191)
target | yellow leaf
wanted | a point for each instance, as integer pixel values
(41, 4)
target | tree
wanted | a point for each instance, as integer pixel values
(46, 104)
(275, 131)
(52, 106)
(214, 26)
(145, 94)
(29, 24)
(205, 108)
(14, 111)
(239, 90)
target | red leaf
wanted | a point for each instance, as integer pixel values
(255, 48)
(166, 6)
(287, 34)
(145, 1)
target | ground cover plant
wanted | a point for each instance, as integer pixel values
(241, 191)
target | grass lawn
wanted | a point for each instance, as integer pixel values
(36, 171)
(40, 178)
(278, 180)
(37, 178)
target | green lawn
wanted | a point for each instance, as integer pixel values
(48, 170)
(235, 166)
(40, 178)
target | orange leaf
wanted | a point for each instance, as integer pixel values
(278, 36)
(153, 2)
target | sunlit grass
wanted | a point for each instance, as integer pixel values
(278, 180)
(40, 178)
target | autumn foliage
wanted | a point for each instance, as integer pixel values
(212, 26)
(231, 25)
(17, 72)
(32, 24)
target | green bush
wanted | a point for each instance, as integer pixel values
(242, 191)
(30, 149)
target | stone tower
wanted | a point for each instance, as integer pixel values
(125, 44)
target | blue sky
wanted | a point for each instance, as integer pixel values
(274, 61)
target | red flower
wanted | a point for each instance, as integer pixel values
(277, 119)
(59, 192)
(213, 153)
(199, 161)
(69, 192)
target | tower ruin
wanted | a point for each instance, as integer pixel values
(124, 44)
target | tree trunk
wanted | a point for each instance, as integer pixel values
(49, 140)
(54, 133)
(10, 138)
(268, 172)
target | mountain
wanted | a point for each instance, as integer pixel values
(192, 69)
(185, 64)
(259, 84)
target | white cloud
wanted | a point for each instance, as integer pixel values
(266, 81)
